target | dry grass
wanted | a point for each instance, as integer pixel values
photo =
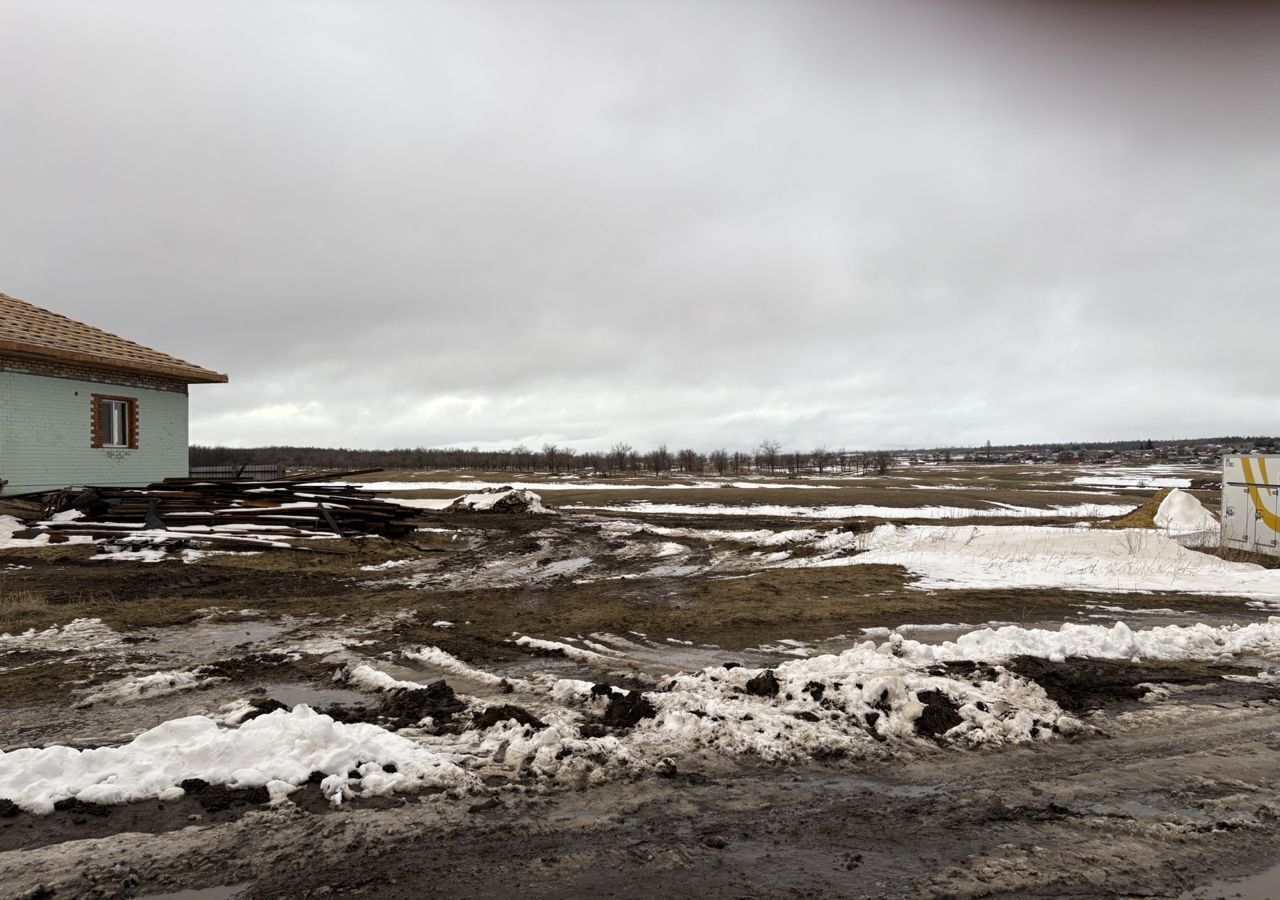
(1142, 517)
(15, 604)
(1233, 554)
(960, 485)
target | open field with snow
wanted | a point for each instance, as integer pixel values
(952, 681)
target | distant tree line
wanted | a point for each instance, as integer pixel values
(768, 458)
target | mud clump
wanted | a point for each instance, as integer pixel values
(764, 685)
(940, 715)
(495, 714)
(1082, 685)
(409, 706)
(219, 797)
(79, 809)
(627, 710)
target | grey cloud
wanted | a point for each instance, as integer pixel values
(857, 224)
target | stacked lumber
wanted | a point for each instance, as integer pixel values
(225, 511)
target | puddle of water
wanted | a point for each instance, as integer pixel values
(223, 892)
(209, 641)
(293, 693)
(1263, 886)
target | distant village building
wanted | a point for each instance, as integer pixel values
(81, 406)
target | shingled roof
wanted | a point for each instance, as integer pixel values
(27, 330)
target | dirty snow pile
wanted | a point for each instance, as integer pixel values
(78, 634)
(868, 700)
(1022, 556)
(1181, 513)
(278, 751)
(1199, 642)
(450, 664)
(841, 704)
(863, 702)
(156, 684)
(500, 500)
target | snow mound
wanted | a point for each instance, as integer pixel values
(1130, 560)
(278, 751)
(78, 634)
(157, 684)
(1199, 642)
(1180, 513)
(865, 702)
(847, 704)
(446, 662)
(500, 500)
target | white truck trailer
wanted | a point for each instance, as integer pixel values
(1251, 503)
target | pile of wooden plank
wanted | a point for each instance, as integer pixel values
(225, 511)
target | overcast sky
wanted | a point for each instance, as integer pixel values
(864, 224)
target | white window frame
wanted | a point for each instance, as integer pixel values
(114, 424)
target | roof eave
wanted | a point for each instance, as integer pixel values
(187, 375)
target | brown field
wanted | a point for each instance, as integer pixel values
(284, 626)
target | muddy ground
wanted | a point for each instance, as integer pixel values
(1154, 799)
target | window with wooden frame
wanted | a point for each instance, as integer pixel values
(115, 422)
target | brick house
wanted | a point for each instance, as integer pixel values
(79, 405)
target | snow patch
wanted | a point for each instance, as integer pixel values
(1181, 513)
(278, 751)
(143, 687)
(1114, 560)
(78, 634)
(1082, 510)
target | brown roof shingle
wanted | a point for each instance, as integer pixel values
(27, 330)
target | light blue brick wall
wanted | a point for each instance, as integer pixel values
(46, 435)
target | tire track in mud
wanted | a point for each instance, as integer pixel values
(1041, 821)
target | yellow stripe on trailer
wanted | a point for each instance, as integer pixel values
(1271, 519)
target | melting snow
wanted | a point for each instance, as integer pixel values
(1083, 510)
(141, 687)
(1117, 560)
(278, 751)
(574, 485)
(1136, 480)
(1180, 513)
(79, 634)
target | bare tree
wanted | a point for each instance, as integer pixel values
(767, 455)
(660, 460)
(690, 460)
(551, 456)
(619, 456)
(793, 462)
(719, 461)
(821, 457)
(883, 462)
